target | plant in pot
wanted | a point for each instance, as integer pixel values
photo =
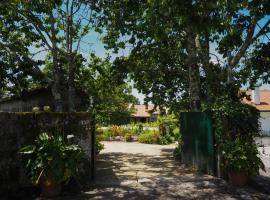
(241, 160)
(51, 162)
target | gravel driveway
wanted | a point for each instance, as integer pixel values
(143, 171)
(265, 156)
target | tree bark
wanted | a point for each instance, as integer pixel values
(194, 74)
(71, 58)
(56, 86)
(71, 88)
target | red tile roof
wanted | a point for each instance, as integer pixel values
(264, 99)
(144, 111)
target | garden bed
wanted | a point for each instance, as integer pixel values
(138, 134)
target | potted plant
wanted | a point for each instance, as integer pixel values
(51, 162)
(241, 160)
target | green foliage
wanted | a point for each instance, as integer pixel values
(119, 131)
(168, 120)
(128, 137)
(52, 158)
(166, 139)
(103, 134)
(163, 48)
(232, 117)
(99, 145)
(28, 28)
(136, 129)
(111, 96)
(241, 156)
(154, 137)
(149, 137)
(114, 131)
(167, 124)
(176, 134)
(17, 66)
(128, 133)
(107, 135)
(147, 124)
(258, 65)
(177, 153)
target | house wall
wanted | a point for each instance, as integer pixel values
(265, 123)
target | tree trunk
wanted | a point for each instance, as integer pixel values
(71, 88)
(205, 61)
(194, 87)
(71, 58)
(56, 87)
(194, 74)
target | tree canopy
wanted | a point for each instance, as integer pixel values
(57, 28)
(111, 96)
(172, 44)
(60, 30)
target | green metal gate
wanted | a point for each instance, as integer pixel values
(198, 145)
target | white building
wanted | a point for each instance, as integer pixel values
(261, 100)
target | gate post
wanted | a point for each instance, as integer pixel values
(198, 141)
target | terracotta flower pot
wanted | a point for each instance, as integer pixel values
(237, 179)
(50, 188)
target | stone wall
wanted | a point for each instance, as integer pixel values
(20, 129)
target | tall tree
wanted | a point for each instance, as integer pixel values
(110, 94)
(60, 27)
(171, 29)
(75, 28)
(174, 37)
(17, 66)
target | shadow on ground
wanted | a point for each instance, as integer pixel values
(138, 176)
(123, 175)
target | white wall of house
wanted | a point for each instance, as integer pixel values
(265, 122)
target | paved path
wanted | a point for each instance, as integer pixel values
(142, 171)
(265, 156)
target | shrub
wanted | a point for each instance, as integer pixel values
(149, 137)
(241, 156)
(176, 134)
(119, 131)
(177, 153)
(135, 131)
(100, 134)
(99, 131)
(128, 137)
(167, 139)
(99, 145)
(107, 135)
